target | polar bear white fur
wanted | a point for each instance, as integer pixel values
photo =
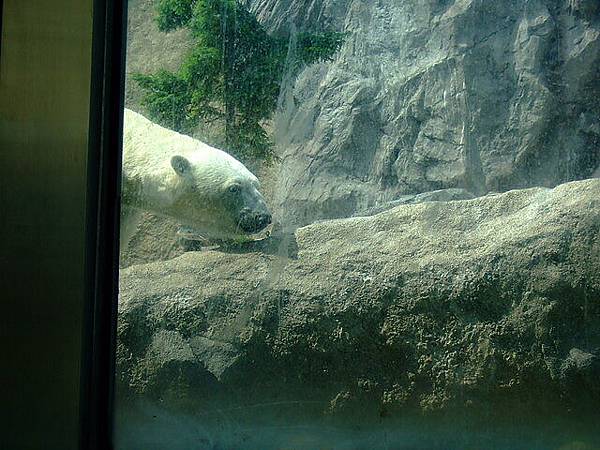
(174, 175)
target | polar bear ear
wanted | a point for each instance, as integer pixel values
(181, 165)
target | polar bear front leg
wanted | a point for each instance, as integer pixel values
(130, 217)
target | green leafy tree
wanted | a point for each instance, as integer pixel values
(233, 73)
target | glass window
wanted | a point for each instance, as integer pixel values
(360, 225)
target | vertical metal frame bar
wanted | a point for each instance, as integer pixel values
(102, 222)
(1, 18)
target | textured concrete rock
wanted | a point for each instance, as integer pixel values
(442, 195)
(490, 305)
(428, 95)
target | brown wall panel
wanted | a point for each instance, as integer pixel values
(44, 109)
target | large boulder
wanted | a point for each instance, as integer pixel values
(489, 305)
(427, 95)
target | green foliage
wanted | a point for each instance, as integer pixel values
(252, 141)
(173, 14)
(202, 72)
(248, 59)
(314, 47)
(167, 97)
(233, 73)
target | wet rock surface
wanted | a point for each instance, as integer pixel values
(489, 305)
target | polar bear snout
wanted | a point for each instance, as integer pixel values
(254, 221)
(263, 220)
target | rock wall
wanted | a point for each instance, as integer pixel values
(489, 305)
(435, 94)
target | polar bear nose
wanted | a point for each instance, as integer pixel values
(253, 221)
(263, 220)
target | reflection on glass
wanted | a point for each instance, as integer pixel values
(360, 225)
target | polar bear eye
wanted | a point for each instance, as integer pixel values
(234, 188)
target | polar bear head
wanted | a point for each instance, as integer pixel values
(177, 176)
(217, 195)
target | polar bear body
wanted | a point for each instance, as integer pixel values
(174, 175)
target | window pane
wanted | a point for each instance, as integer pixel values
(352, 225)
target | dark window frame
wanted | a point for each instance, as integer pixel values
(102, 224)
(1, 17)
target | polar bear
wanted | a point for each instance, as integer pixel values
(174, 175)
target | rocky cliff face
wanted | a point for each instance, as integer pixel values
(489, 305)
(427, 95)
